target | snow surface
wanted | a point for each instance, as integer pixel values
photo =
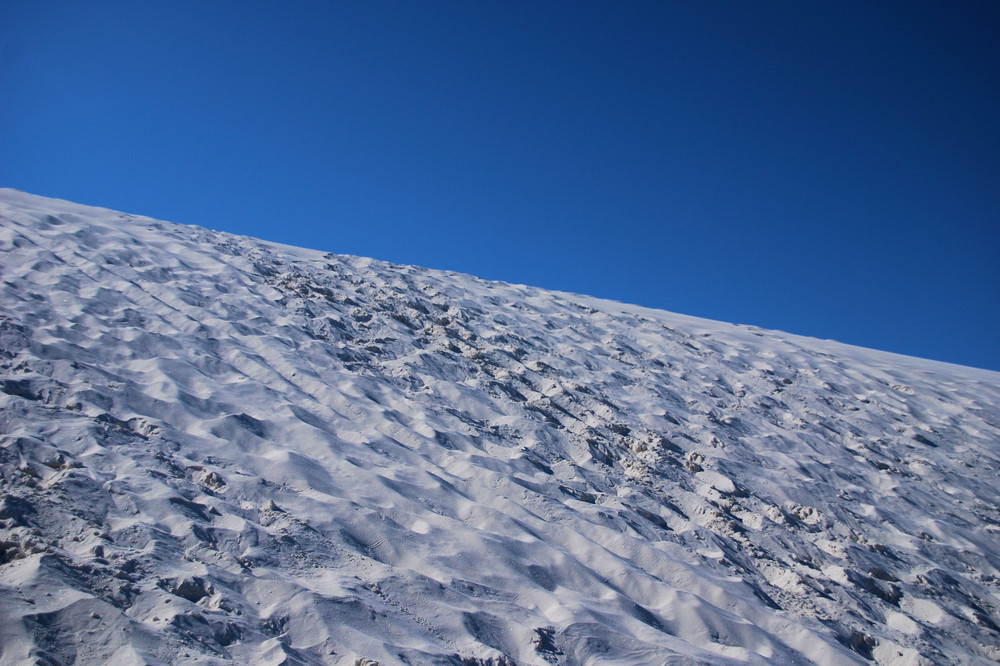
(214, 448)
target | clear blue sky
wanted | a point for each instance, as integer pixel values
(824, 168)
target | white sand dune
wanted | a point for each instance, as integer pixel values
(216, 449)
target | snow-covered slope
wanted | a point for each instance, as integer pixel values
(217, 449)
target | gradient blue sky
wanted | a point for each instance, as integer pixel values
(825, 168)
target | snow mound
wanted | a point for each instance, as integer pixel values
(216, 449)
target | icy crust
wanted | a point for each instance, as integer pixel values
(217, 449)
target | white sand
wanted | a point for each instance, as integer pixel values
(218, 449)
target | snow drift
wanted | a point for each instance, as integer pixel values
(216, 449)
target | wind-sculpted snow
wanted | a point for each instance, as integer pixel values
(218, 449)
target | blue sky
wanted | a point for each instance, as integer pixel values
(828, 169)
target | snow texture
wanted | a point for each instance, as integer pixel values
(217, 449)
